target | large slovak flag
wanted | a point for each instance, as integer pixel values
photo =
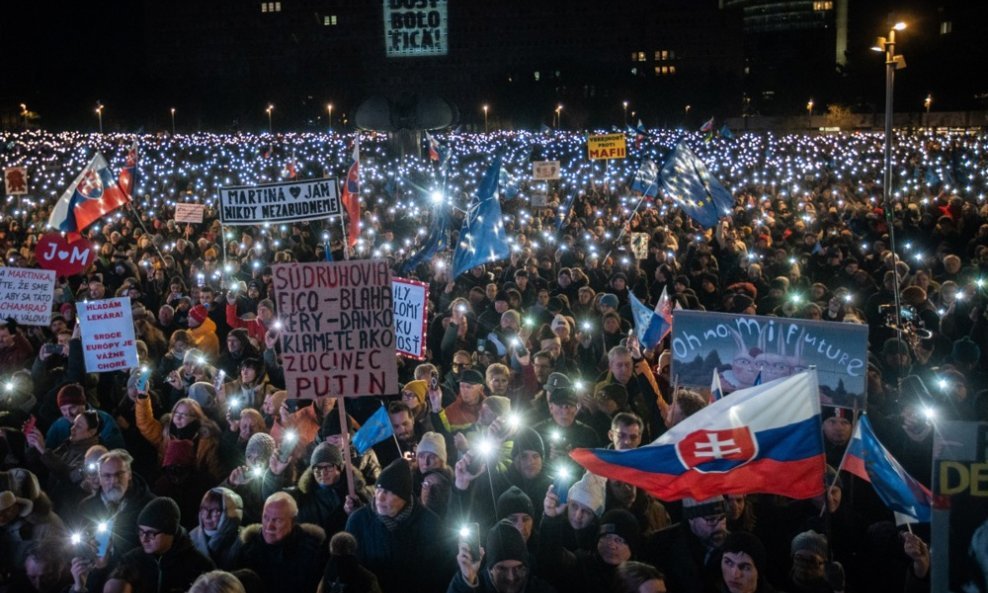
(351, 196)
(93, 194)
(760, 439)
(867, 459)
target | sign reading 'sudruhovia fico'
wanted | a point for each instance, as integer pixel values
(279, 202)
(338, 334)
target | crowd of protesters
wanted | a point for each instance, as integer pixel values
(197, 471)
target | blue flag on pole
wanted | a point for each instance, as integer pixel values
(650, 326)
(646, 179)
(376, 429)
(482, 237)
(686, 180)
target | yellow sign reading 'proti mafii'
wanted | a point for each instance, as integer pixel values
(607, 146)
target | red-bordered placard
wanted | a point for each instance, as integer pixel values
(410, 298)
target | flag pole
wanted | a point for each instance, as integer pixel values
(345, 432)
(840, 466)
(346, 240)
(630, 216)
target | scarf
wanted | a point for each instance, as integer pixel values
(393, 523)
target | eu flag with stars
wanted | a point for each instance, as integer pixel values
(687, 181)
(482, 237)
(646, 179)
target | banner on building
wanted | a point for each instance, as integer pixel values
(415, 28)
(607, 146)
(107, 328)
(26, 295)
(411, 299)
(338, 328)
(960, 507)
(545, 170)
(189, 213)
(742, 347)
(279, 202)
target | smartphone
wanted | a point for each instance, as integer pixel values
(53, 348)
(30, 424)
(470, 535)
(293, 405)
(434, 380)
(103, 537)
(562, 482)
(142, 381)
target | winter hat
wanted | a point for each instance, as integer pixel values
(433, 442)
(8, 499)
(419, 388)
(162, 514)
(193, 355)
(966, 351)
(198, 314)
(527, 440)
(623, 524)
(609, 300)
(558, 321)
(179, 453)
(498, 404)
(741, 541)
(557, 380)
(326, 453)
(504, 542)
(260, 445)
(564, 396)
(204, 393)
(397, 479)
(810, 541)
(892, 344)
(589, 491)
(694, 509)
(71, 394)
(615, 392)
(514, 500)
(554, 305)
(472, 377)
(741, 302)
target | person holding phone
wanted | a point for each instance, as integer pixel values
(505, 562)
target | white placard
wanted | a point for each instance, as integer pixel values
(290, 201)
(108, 340)
(410, 297)
(189, 213)
(26, 295)
(545, 170)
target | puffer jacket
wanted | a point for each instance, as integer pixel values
(156, 432)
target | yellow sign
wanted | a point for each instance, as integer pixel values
(607, 146)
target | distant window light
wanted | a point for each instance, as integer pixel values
(270, 6)
(329, 20)
(634, 71)
(822, 6)
(664, 55)
(641, 56)
(946, 27)
(536, 75)
(665, 70)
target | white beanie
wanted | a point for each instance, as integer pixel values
(558, 321)
(589, 491)
(433, 442)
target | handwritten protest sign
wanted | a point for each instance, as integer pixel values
(26, 295)
(607, 146)
(107, 329)
(410, 298)
(279, 202)
(545, 170)
(639, 245)
(338, 328)
(189, 213)
(742, 347)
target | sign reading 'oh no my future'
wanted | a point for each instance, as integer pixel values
(338, 335)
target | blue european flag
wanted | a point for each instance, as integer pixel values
(376, 429)
(688, 182)
(482, 237)
(646, 179)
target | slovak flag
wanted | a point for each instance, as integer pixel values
(128, 175)
(761, 439)
(93, 194)
(433, 147)
(652, 325)
(708, 126)
(351, 196)
(867, 459)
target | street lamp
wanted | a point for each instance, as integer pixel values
(892, 63)
(329, 111)
(559, 116)
(173, 120)
(485, 117)
(809, 113)
(99, 115)
(269, 110)
(24, 114)
(927, 103)
(625, 105)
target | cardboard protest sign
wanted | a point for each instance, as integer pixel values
(108, 341)
(26, 295)
(15, 181)
(338, 328)
(410, 301)
(741, 347)
(189, 213)
(279, 202)
(607, 146)
(54, 252)
(960, 507)
(639, 245)
(545, 170)
(539, 197)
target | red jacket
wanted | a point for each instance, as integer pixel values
(255, 327)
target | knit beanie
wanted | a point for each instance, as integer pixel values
(162, 514)
(810, 541)
(179, 453)
(326, 453)
(204, 393)
(198, 314)
(71, 394)
(504, 542)
(498, 404)
(514, 500)
(261, 446)
(589, 491)
(419, 388)
(966, 351)
(193, 356)
(527, 440)
(609, 300)
(623, 524)
(397, 479)
(433, 442)
(741, 541)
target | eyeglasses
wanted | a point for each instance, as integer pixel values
(144, 534)
(210, 511)
(323, 468)
(514, 571)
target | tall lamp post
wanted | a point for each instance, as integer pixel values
(559, 116)
(329, 112)
(893, 62)
(927, 103)
(624, 104)
(809, 114)
(24, 113)
(269, 110)
(99, 116)
(173, 121)
(485, 108)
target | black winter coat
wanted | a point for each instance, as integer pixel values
(293, 565)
